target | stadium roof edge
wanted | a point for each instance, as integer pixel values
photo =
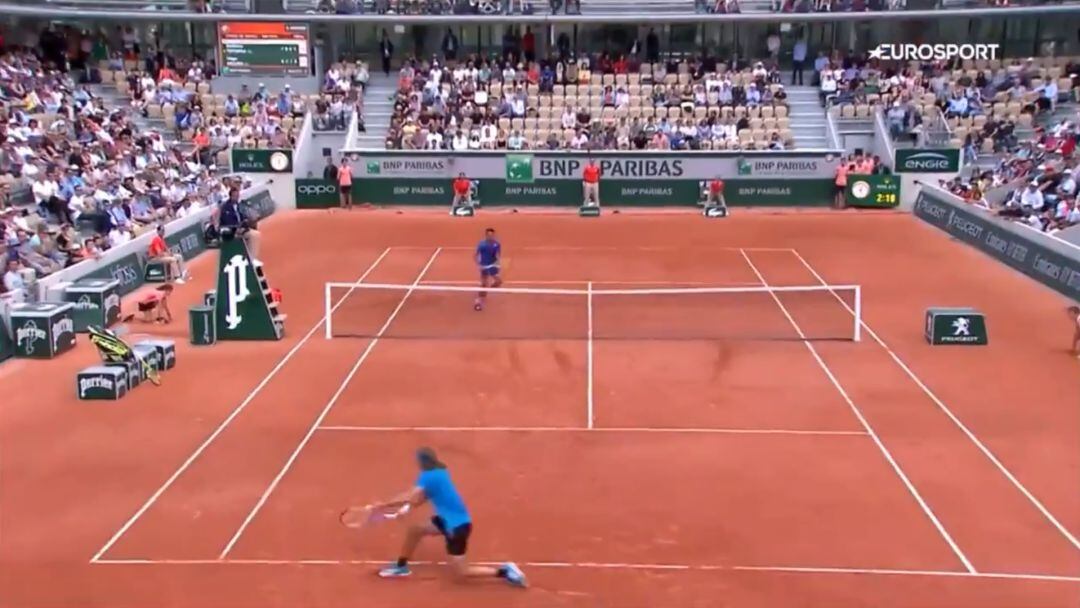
(41, 12)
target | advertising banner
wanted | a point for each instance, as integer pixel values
(1053, 263)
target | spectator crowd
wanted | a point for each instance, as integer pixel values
(981, 105)
(1040, 176)
(608, 101)
(78, 177)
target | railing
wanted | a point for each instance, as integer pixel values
(57, 10)
(938, 133)
(353, 132)
(170, 6)
(883, 139)
(831, 131)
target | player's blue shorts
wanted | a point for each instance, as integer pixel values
(489, 271)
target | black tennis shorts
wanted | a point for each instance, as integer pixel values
(457, 540)
(345, 189)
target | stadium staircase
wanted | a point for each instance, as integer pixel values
(808, 121)
(378, 108)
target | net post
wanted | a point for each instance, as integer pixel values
(327, 309)
(857, 336)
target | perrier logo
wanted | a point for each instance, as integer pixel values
(744, 167)
(519, 169)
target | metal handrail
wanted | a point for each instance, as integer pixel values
(43, 12)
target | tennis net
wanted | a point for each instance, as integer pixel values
(429, 311)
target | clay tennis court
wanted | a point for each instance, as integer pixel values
(627, 450)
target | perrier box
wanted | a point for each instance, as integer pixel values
(97, 302)
(965, 326)
(102, 382)
(43, 330)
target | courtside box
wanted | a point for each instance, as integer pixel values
(97, 302)
(134, 372)
(102, 382)
(202, 325)
(43, 330)
(166, 351)
(149, 354)
(965, 326)
(589, 211)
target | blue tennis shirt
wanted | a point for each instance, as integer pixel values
(487, 252)
(444, 497)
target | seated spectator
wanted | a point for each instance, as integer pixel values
(14, 284)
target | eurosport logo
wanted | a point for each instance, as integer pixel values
(934, 52)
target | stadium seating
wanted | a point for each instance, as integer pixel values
(759, 124)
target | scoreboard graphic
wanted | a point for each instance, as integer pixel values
(266, 49)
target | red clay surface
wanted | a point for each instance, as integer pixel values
(723, 451)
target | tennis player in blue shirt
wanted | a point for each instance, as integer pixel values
(488, 256)
(451, 521)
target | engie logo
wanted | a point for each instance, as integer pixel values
(927, 161)
(519, 169)
(934, 52)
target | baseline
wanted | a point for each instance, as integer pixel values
(590, 429)
(614, 566)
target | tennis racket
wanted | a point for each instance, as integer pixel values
(358, 517)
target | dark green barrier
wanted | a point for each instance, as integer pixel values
(881, 191)
(1052, 263)
(128, 270)
(189, 242)
(778, 192)
(551, 192)
(317, 194)
(7, 347)
(616, 192)
(649, 193)
(403, 191)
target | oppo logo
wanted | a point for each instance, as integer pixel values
(319, 189)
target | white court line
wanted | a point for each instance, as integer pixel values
(590, 429)
(678, 248)
(612, 566)
(326, 410)
(582, 282)
(948, 412)
(225, 423)
(865, 424)
(589, 360)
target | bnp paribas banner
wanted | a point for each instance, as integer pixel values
(629, 178)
